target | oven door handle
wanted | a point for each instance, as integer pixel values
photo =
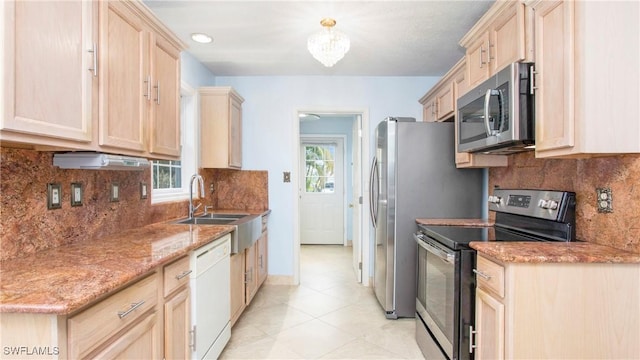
(444, 256)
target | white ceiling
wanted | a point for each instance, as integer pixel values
(388, 38)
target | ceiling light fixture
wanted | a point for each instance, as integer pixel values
(328, 46)
(201, 38)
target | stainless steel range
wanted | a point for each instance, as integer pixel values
(446, 280)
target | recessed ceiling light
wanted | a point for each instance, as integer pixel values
(201, 38)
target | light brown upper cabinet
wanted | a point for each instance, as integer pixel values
(124, 99)
(165, 106)
(106, 64)
(48, 72)
(140, 83)
(587, 78)
(440, 104)
(499, 38)
(220, 128)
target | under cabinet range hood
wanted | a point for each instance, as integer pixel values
(99, 161)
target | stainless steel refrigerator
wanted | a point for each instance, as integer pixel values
(413, 175)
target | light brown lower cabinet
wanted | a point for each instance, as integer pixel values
(177, 310)
(237, 287)
(148, 319)
(249, 270)
(556, 310)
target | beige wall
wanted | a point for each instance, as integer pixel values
(620, 229)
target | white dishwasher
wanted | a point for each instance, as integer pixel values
(210, 300)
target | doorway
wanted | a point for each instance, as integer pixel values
(310, 127)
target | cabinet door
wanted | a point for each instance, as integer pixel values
(237, 286)
(251, 274)
(165, 106)
(477, 60)
(263, 265)
(142, 341)
(48, 81)
(507, 38)
(177, 326)
(445, 102)
(489, 337)
(235, 134)
(125, 85)
(429, 111)
(554, 75)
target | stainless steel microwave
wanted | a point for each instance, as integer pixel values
(498, 116)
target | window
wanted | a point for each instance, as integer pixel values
(170, 178)
(319, 172)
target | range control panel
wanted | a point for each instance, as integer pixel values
(544, 204)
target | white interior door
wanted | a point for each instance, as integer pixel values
(322, 191)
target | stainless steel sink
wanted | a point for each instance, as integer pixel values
(248, 227)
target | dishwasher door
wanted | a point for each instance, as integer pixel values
(211, 301)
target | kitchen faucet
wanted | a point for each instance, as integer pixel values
(192, 209)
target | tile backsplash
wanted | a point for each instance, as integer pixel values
(619, 229)
(26, 226)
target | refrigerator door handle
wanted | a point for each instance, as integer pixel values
(373, 199)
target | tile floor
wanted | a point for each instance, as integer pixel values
(329, 316)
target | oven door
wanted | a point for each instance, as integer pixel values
(436, 301)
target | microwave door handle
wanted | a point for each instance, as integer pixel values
(446, 257)
(501, 117)
(487, 110)
(487, 107)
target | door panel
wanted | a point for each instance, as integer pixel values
(322, 192)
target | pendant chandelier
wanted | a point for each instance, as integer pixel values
(328, 46)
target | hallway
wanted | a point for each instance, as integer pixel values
(329, 316)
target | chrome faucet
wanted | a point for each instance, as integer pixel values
(192, 209)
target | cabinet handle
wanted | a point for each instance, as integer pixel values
(184, 273)
(260, 261)
(94, 52)
(134, 306)
(481, 51)
(147, 95)
(482, 275)
(471, 338)
(192, 342)
(532, 86)
(489, 57)
(157, 87)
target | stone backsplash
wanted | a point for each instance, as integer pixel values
(619, 229)
(26, 226)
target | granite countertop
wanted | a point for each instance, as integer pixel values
(61, 280)
(456, 222)
(539, 252)
(547, 252)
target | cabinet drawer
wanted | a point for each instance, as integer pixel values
(93, 326)
(176, 274)
(490, 276)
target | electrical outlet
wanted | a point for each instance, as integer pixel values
(54, 196)
(605, 200)
(115, 192)
(76, 194)
(286, 176)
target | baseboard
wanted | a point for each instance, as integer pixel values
(279, 280)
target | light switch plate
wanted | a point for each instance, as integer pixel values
(143, 190)
(76, 194)
(54, 196)
(115, 192)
